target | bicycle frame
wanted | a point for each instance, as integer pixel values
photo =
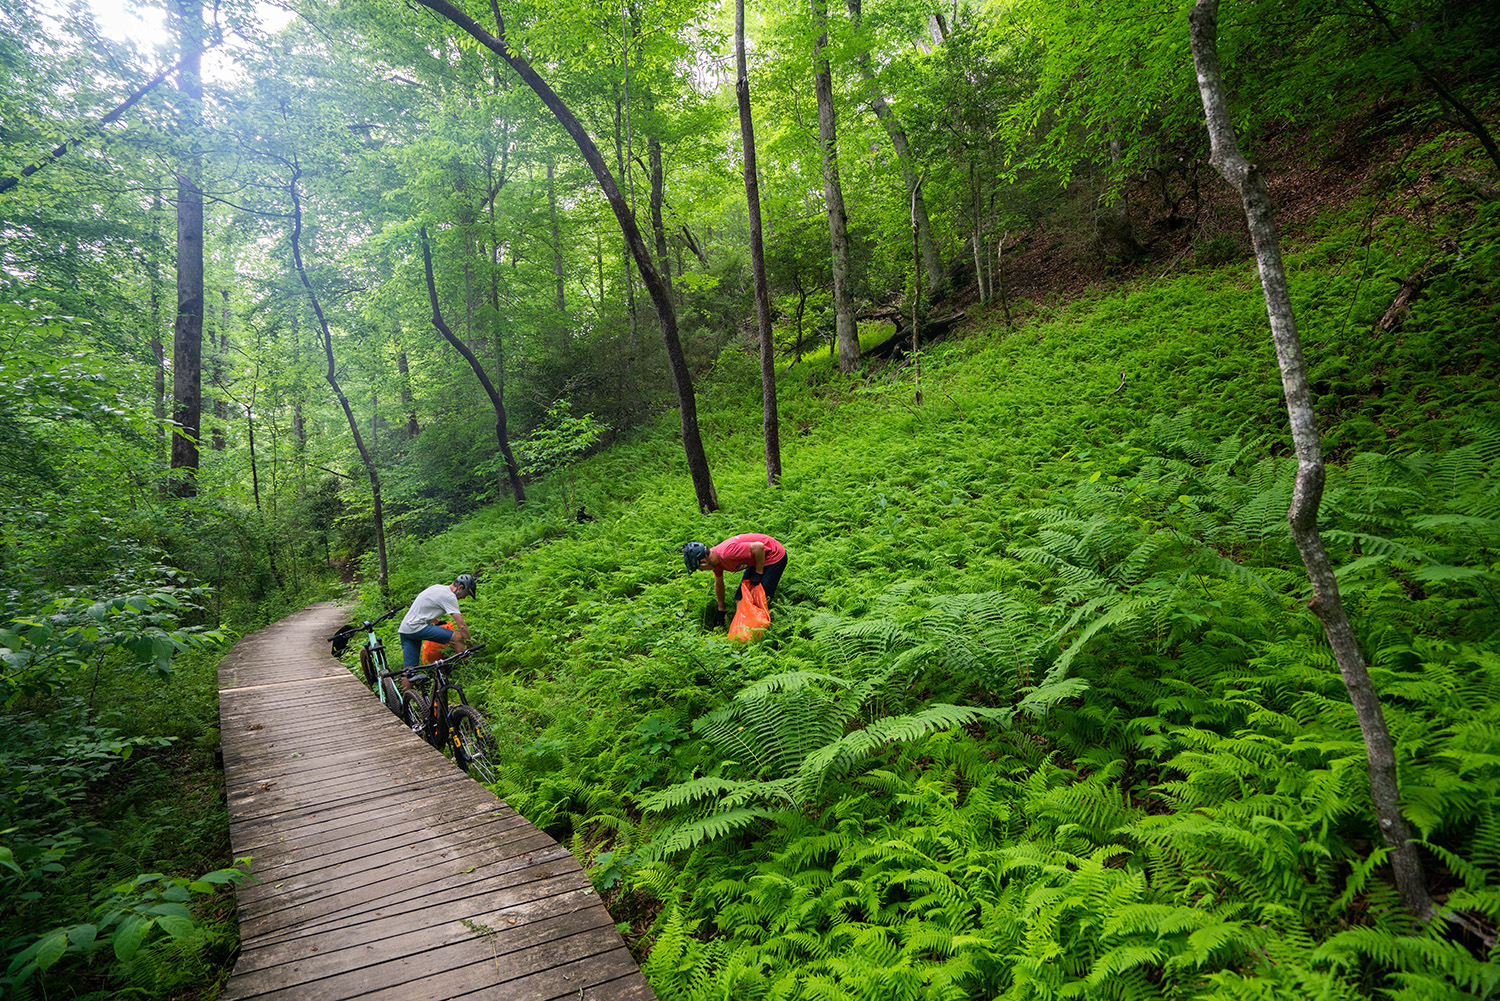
(434, 728)
(377, 659)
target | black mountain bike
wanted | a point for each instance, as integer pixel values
(456, 729)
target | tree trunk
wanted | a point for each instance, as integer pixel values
(846, 331)
(187, 332)
(1326, 603)
(299, 424)
(682, 381)
(158, 349)
(403, 368)
(932, 260)
(220, 438)
(624, 168)
(332, 377)
(658, 183)
(502, 438)
(557, 261)
(770, 421)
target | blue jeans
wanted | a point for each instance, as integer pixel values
(411, 643)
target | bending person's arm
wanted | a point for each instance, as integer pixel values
(460, 633)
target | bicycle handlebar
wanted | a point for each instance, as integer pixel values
(445, 662)
(370, 624)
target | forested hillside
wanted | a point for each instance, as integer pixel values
(346, 303)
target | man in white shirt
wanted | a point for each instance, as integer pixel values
(440, 601)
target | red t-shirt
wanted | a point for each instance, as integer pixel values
(736, 555)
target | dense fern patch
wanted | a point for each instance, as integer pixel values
(1042, 712)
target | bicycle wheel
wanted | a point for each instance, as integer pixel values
(367, 665)
(392, 697)
(414, 708)
(473, 747)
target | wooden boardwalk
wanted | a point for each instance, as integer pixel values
(387, 874)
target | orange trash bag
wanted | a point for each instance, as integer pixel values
(432, 650)
(752, 616)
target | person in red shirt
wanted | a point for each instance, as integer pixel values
(761, 557)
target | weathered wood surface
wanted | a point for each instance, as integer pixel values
(385, 872)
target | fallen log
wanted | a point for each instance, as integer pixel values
(898, 345)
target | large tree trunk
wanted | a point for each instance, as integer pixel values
(661, 297)
(1326, 603)
(502, 438)
(187, 331)
(332, 377)
(932, 260)
(770, 421)
(846, 330)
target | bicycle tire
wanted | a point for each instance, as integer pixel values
(367, 665)
(414, 709)
(393, 698)
(473, 746)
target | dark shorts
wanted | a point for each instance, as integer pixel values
(411, 643)
(768, 580)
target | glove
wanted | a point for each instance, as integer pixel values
(751, 577)
(717, 618)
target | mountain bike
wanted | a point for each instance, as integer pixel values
(456, 729)
(373, 664)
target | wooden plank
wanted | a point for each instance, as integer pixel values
(385, 871)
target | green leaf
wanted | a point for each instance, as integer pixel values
(52, 949)
(131, 933)
(175, 925)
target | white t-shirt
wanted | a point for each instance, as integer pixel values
(435, 602)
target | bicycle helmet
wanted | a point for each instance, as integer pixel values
(468, 583)
(693, 554)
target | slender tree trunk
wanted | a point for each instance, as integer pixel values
(682, 381)
(846, 331)
(624, 167)
(250, 437)
(299, 425)
(932, 260)
(976, 237)
(557, 261)
(220, 437)
(916, 294)
(770, 420)
(332, 377)
(658, 183)
(1307, 494)
(187, 333)
(501, 436)
(403, 368)
(158, 349)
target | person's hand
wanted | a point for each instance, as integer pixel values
(717, 618)
(753, 577)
